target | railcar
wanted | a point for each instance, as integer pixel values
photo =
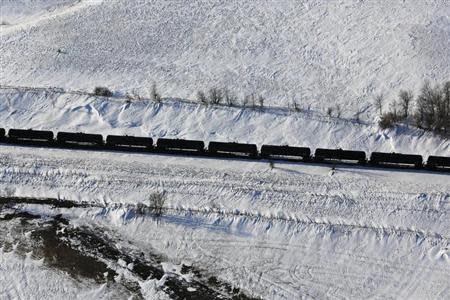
(322, 154)
(28, 135)
(78, 138)
(238, 149)
(384, 158)
(129, 141)
(165, 145)
(275, 151)
(438, 162)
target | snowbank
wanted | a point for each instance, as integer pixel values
(321, 53)
(57, 111)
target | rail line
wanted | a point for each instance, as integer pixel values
(88, 141)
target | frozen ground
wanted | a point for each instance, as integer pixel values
(57, 111)
(320, 53)
(289, 232)
(295, 231)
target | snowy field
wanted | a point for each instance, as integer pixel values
(284, 233)
(56, 111)
(229, 228)
(320, 53)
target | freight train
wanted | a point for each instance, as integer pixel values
(220, 149)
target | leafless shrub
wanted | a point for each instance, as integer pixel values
(405, 99)
(249, 100)
(141, 209)
(154, 94)
(201, 97)
(379, 100)
(387, 120)
(338, 111)
(261, 101)
(230, 97)
(433, 108)
(102, 91)
(294, 106)
(329, 111)
(215, 96)
(156, 203)
(133, 95)
(357, 115)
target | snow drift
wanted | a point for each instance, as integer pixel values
(320, 53)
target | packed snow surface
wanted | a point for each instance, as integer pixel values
(320, 53)
(288, 232)
(26, 278)
(59, 111)
(284, 233)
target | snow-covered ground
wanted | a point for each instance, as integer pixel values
(320, 53)
(58, 111)
(294, 231)
(26, 278)
(289, 232)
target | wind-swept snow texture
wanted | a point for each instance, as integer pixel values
(292, 232)
(320, 53)
(58, 111)
(27, 278)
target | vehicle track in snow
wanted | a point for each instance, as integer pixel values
(297, 231)
(344, 197)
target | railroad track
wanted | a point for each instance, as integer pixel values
(88, 141)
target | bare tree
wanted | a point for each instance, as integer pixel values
(357, 114)
(261, 101)
(230, 97)
(394, 110)
(338, 111)
(245, 101)
(103, 91)
(215, 96)
(446, 105)
(249, 100)
(133, 95)
(379, 101)
(252, 100)
(387, 120)
(329, 111)
(156, 203)
(405, 99)
(202, 97)
(295, 106)
(426, 107)
(154, 95)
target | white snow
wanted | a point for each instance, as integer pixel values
(56, 111)
(291, 232)
(26, 278)
(294, 231)
(321, 53)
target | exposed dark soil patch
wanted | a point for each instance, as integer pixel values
(61, 203)
(89, 253)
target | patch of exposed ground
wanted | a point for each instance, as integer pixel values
(87, 253)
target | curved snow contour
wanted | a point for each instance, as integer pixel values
(59, 111)
(284, 233)
(15, 18)
(318, 53)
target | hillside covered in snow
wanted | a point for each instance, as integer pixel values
(172, 118)
(84, 224)
(319, 53)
